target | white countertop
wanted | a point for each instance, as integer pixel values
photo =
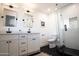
(16, 33)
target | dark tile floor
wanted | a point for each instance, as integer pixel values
(63, 51)
(52, 51)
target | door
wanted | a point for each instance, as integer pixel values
(4, 48)
(71, 33)
(33, 43)
(13, 47)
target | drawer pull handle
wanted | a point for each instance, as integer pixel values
(23, 36)
(23, 50)
(23, 43)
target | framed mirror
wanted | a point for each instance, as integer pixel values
(10, 18)
(10, 21)
(29, 21)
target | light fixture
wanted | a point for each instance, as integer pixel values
(56, 4)
(10, 6)
(56, 7)
(29, 6)
(28, 11)
(49, 9)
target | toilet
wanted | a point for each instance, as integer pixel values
(52, 42)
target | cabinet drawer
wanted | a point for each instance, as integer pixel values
(22, 36)
(22, 43)
(33, 36)
(7, 37)
(22, 51)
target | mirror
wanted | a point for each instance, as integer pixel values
(10, 21)
(29, 19)
(10, 18)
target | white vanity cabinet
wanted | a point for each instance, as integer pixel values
(23, 44)
(4, 48)
(19, 44)
(8, 45)
(29, 43)
(13, 47)
(33, 43)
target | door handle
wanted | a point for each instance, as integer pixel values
(65, 27)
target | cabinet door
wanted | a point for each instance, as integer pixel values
(33, 44)
(13, 47)
(3, 48)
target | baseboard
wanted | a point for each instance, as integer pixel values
(29, 54)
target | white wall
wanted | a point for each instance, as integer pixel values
(50, 27)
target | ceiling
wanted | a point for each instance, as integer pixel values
(39, 7)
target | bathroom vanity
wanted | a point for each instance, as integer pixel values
(14, 44)
(14, 39)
